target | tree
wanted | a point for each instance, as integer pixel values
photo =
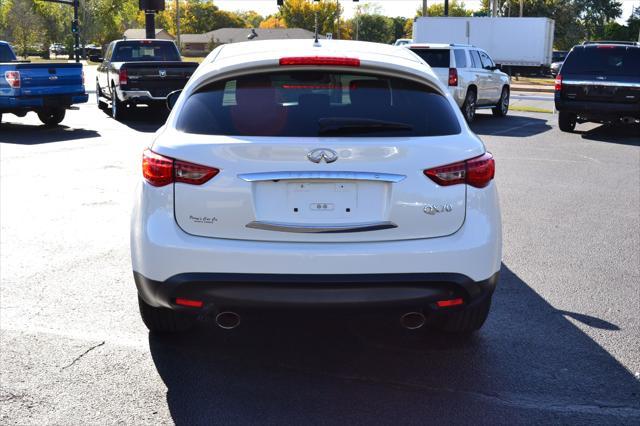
(273, 22)
(399, 27)
(594, 14)
(26, 31)
(456, 8)
(251, 18)
(372, 27)
(302, 13)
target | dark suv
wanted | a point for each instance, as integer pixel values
(599, 82)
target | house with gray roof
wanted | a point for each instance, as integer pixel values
(202, 44)
(139, 33)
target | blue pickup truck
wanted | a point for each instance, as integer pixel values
(47, 89)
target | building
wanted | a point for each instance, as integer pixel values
(202, 44)
(137, 33)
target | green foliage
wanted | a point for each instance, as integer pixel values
(25, 32)
(456, 8)
(372, 27)
(302, 14)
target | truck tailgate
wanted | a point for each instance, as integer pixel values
(158, 78)
(50, 79)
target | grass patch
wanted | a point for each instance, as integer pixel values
(529, 109)
(535, 81)
(197, 59)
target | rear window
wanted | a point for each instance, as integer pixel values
(603, 60)
(131, 51)
(310, 103)
(436, 58)
(6, 54)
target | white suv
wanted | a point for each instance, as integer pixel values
(473, 78)
(336, 174)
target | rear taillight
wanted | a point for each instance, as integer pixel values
(450, 302)
(160, 171)
(13, 78)
(321, 60)
(453, 77)
(477, 172)
(122, 76)
(558, 86)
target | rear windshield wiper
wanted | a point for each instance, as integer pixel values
(339, 125)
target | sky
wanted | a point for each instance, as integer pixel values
(405, 8)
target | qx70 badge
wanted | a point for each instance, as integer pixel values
(319, 154)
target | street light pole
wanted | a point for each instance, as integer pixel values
(178, 23)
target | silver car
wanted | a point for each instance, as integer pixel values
(473, 79)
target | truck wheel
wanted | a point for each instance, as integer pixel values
(502, 108)
(118, 108)
(51, 117)
(567, 121)
(468, 320)
(469, 106)
(162, 320)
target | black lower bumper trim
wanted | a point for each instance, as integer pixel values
(225, 291)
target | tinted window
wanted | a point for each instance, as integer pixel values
(436, 58)
(475, 58)
(6, 54)
(605, 60)
(461, 58)
(129, 51)
(310, 103)
(486, 61)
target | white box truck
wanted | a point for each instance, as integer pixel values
(517, 44)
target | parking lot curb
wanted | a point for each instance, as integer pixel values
(530, 88)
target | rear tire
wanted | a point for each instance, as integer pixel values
(567, 121)
(101, 103)
(118, 108)
(502, 108)
(469, 106)
(52, 117)
(467, 320)
(162, 320)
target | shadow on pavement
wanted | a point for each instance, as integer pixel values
(35, 135)
(143, 119)
(511, 125)
(627, 134)
(529, 364)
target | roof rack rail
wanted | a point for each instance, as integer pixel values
(622, 43)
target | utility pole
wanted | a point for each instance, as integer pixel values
(178, 23)
(446, 7)
(521, 8)
(424, 7)
(494, 9)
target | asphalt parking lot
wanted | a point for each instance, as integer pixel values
(561, 343)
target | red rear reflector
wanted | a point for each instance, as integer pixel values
(156, 169)
(321, 60)
(159, 170)
(453, 77)
(190, 303)
(13, 78)
(558, 86)
(122, 76)
(605, 46)
(450, 302)
(312, 86)
(477, 172)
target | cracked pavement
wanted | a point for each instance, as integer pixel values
(560, 345)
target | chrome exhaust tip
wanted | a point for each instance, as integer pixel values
(412, 320)
(227, 320)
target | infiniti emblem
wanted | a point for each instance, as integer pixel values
(319, 154)
(163, 73)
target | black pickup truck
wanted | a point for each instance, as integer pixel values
(136, 72)
(599, 82)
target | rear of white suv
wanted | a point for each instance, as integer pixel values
(335, 175)
(473, 79)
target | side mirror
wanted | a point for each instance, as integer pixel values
(172, 98)
(95, 58)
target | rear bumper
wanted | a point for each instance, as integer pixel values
(597, 109)
(34, 102)
(138, 96)
(238, 291)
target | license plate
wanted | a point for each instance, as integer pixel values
(335, 200)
